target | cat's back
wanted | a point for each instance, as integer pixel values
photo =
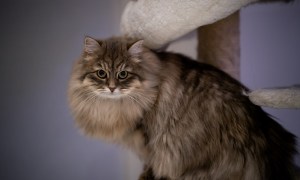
(197, 76)
(205, 114)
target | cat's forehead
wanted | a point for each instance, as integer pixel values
(112, 64)
(115, 49)
(115, 54)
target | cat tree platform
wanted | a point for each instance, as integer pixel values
(160, 22)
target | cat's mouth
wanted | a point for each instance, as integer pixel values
(110, 94)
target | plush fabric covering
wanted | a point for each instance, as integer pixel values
(160, 21)
(287, 97)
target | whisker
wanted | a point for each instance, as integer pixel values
(135, 99)
(89, 96)
(141, 95)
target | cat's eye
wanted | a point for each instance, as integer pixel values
(101, 74)
(122, 74)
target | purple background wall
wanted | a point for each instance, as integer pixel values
(40, 39)
(270, 53)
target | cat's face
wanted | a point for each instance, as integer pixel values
(111, 85)
(112, 80)
(111, 69)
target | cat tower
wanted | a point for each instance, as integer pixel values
(159, 22)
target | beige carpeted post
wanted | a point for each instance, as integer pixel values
(219, 44)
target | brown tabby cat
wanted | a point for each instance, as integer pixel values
(184, 119)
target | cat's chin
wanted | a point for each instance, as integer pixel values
(110, 95)
(115, 96)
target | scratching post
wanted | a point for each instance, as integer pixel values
(160, 22)
(219, 44)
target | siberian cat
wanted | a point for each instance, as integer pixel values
(184, 119)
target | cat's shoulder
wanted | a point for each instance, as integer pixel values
(187, 63)
(206, 72)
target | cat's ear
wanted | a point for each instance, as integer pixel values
(91, 45)
(136, 48)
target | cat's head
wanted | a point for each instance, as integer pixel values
(115, 69)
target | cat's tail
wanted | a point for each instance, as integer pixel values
(297, 173)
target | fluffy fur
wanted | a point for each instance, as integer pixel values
(185, 120)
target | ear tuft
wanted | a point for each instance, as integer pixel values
(91, 45)
(136, 48)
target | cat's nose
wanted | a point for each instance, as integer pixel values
(112, 89)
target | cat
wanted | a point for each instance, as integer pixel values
(184, 119)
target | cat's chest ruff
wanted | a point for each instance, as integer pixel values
(109, 119)
(113, 111)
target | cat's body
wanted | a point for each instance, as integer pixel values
(185, 120)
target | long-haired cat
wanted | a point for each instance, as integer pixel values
(184, 119)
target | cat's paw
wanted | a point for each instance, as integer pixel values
(147, 174)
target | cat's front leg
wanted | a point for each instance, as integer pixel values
(147, 174)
